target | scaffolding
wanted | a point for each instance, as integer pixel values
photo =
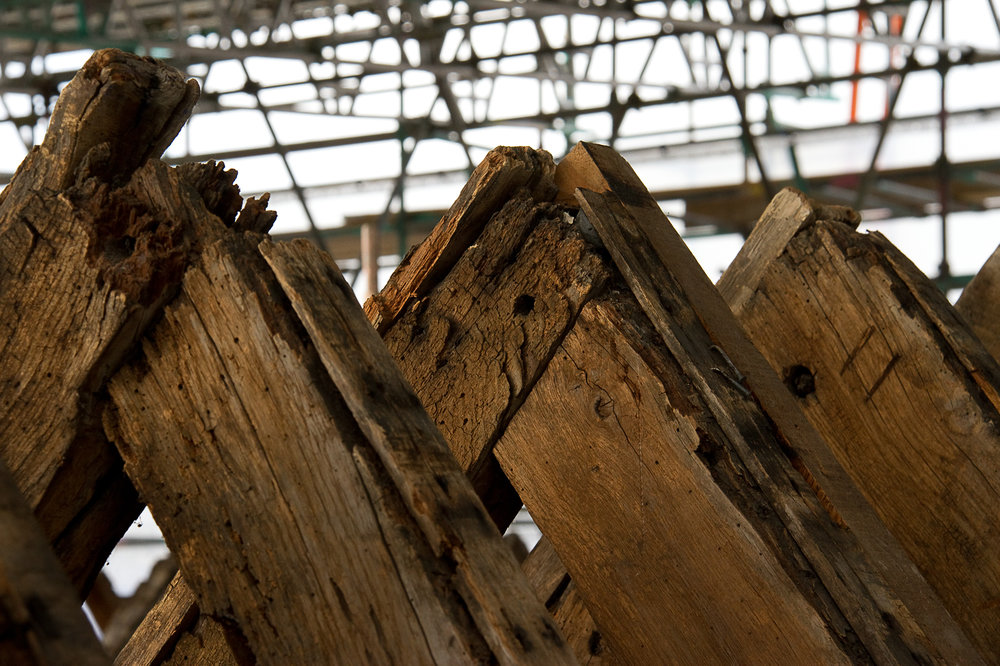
(363, 118)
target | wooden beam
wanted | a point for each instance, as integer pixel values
(441, 340)
(561, 596)
(474, 347)
(41, 622)
(84, 268)
(175, 631)
(502, 172)
(903, 393)
(372, 549)
(416, 456)
(980, 304)
(742, 410)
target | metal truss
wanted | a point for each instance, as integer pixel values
(677, 86)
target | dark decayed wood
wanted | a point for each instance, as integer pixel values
(41, 622)
(903, 392)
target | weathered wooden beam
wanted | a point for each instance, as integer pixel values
(502, 172)
(41, 622)
(83, 268)
(561, 596)
(455, 345)
(633, 420)
(475, 345)
(344, 522)
(980, 304)
(175, 631)
(903, 393)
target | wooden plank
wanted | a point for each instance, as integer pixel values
(478, 357)
(903, 392)
(554, 587)
(416, 456)
(40, 617)
(502, 172)
(131, 611)
(670, 567)
(980, 304)
(229, 373)
(699, 331)
(176, 632)
(474, 347)
(91, 300)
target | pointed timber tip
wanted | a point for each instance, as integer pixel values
(125, 108)
(598, 168)
(791, 204)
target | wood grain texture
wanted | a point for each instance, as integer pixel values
(40, 617)
(699, 331)
(670, 569)
(82, 260)
(502, 172)
(156, 637)
(226, 375)
(433, 487)
(904, 393)
(512, 260)
(554, 587)
(475, 345)
(364, 523)
(980, 304)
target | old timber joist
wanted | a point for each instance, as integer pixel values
(333, 480)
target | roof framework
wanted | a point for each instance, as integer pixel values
(387, 104)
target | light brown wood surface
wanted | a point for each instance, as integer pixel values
(300, 522)
(902, 391)
(482, 292)
(671, 570)
(432, 486)
(980, 304)
(867, 575)
(82, 269)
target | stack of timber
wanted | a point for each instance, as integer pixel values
(316, 513)
(793, 466)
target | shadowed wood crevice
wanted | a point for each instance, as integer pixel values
(41, 622)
